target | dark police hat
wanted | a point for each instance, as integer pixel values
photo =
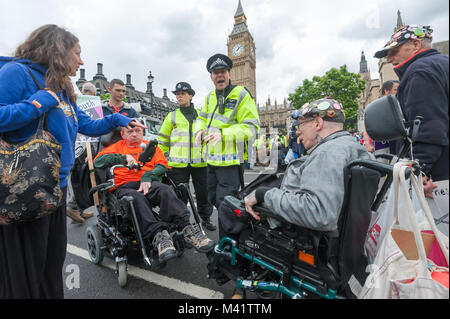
(219, 61)
(183, 86)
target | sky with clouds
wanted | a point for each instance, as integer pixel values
(295, 39)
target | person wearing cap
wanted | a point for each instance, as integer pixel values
(423, 91)
(176, 140)
(228, 121)
(312, 190)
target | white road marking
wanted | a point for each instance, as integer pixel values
(183, 287)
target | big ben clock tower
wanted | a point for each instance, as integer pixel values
(241, 50)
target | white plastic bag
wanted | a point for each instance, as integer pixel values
(385, 216)
(400, 270)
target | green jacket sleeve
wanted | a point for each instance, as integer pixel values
(110, 160)
(154, 175)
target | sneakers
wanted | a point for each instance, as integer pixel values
(74, 215)
(193, 236)
(208, 225)
(166, 249)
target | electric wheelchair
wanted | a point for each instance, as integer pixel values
(295, 262)
(117, 232)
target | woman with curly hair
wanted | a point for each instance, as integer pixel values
(32, 254)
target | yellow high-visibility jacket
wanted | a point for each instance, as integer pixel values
(238, 125)
(176, 140)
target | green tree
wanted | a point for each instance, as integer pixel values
(339, 84)
(106, 96)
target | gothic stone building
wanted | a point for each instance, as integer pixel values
(150, 104)
(276, 115)
(241, 50)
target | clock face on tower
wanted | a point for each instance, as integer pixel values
(237, 49)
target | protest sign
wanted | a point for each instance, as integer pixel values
(92, 106)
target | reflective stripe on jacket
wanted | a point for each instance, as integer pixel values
(176, 140)
(238, 125)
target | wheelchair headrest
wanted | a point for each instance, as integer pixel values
(384, 120)
(111, 138)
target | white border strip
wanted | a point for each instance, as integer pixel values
(180, 286)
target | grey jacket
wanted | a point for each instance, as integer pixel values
(312, 191)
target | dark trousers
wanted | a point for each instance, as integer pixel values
(32, 257)
(222, 181)
(171, 208)
(199, 179)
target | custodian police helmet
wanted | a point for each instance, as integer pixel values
(219, 61)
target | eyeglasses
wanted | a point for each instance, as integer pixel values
(306, 121)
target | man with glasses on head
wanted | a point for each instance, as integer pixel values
(312, 191)
(423, 91)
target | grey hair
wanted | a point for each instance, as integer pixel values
(426, 42)
(88, 87)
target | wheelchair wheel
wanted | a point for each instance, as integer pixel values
(261, 294)
(95, 244)
(122, 273)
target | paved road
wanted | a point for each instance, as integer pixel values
(183, 278)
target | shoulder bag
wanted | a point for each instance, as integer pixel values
(29, 176)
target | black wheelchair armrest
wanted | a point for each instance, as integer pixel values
(101, 187)
(264, 211)
(386, 156)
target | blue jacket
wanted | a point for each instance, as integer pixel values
(22, 104)
(424, 91)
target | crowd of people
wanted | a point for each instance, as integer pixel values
(208, 145)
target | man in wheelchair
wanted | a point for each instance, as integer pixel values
(144, 184)
(309, 201)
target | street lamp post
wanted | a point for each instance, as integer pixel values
(150, 91)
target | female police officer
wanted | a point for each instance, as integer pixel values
(176, 140)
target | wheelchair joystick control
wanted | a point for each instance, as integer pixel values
(237, 204)
(148, 151)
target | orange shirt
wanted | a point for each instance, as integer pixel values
(123, 175)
